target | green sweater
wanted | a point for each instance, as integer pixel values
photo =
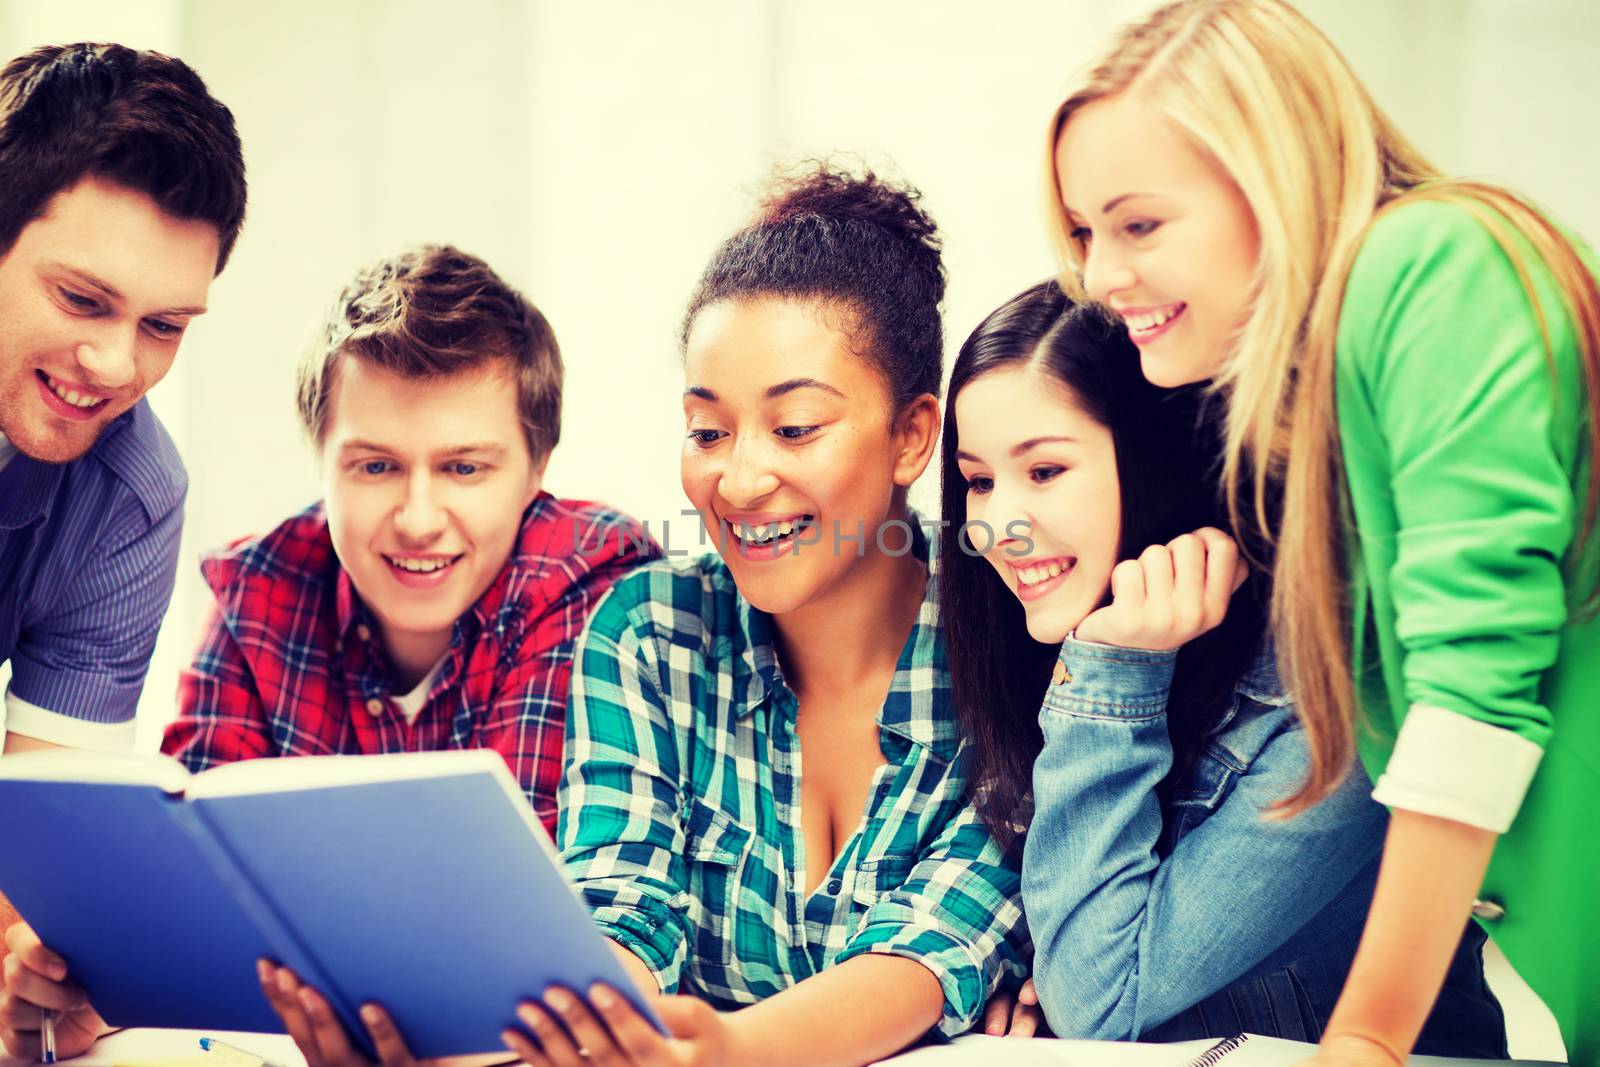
(1465, 452)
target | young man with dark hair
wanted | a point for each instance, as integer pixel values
(434, 597)
(122, 191)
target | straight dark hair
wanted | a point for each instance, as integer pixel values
(1167, 450)
(140, 119)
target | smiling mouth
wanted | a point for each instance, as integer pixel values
(768, 535)
(1038, 578)
(1036, 574)
(1150, 324)
(421, 565)
(71, 397)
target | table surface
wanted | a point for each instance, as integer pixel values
(181, 1048)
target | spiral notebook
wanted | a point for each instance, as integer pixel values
(1244, 1050)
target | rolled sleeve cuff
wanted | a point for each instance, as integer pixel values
(1106, 682)
(101, 697)
(655, 941)
(954, 962)
(1454, 767)
(27, 719)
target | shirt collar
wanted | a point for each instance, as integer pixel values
(917, 708)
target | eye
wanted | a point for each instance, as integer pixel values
(167, 331)
(374, 467)
(795, 433)
(1079, 234)
(978, 485)
(1141, 227)
(706, 438)
(463, 469)
(1044, 473)
(77, 301)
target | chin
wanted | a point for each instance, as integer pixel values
(1048, 630)
(56, 448)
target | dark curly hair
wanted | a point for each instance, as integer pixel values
(859, 241)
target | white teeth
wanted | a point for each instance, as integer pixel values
(1043, 573)
(1153, 319)
(771, 531)
(420, 566)
(72, 396)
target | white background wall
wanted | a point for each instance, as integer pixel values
(596, 153)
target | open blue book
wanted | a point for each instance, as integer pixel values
(422, 882)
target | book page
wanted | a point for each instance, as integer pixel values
(97, 768)
(980, 1050)
(290, 773)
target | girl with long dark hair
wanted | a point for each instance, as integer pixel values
(1130, 734)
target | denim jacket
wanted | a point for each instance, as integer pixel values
(1199, 917)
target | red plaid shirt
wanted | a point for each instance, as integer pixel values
(289, 663)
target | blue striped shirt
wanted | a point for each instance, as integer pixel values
(88, 555)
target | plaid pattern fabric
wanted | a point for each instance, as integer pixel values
(289, 662)
(680, 808)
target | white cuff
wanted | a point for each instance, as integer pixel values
(1454, 767)
(42, 724)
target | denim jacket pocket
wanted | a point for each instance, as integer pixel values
(1229, 753)
(714, 851)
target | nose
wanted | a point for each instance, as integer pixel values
(107, 363)
(1007, 516)
(1104, 273)
(747, 478)
(421, 517)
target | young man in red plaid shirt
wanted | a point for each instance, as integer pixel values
(433, 599)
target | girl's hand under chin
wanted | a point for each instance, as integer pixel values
(1170, 595)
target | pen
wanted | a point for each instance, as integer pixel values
(227, 1053)
(47, 1035)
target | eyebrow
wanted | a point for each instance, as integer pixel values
(1025, 447)
(489, 448)
(1111, 204)
(110, 290)
(781, 389)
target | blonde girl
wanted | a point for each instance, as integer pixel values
(1412, 361)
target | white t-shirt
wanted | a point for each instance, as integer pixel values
(410, 704)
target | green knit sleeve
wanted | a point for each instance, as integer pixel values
(1471, 432)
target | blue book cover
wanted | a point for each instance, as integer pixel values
(422, 882)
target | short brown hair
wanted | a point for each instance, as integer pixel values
(140, 119)
(430, 312)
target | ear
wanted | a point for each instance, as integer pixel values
(915, 435)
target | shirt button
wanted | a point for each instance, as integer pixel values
(375, 707)
(1490, 911)
(1062, 676)
(835, 885)
(365, 633)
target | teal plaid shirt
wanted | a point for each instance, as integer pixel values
(680, 808)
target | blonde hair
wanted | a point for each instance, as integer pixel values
(1269, 97)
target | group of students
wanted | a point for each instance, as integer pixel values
(1303, 428)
